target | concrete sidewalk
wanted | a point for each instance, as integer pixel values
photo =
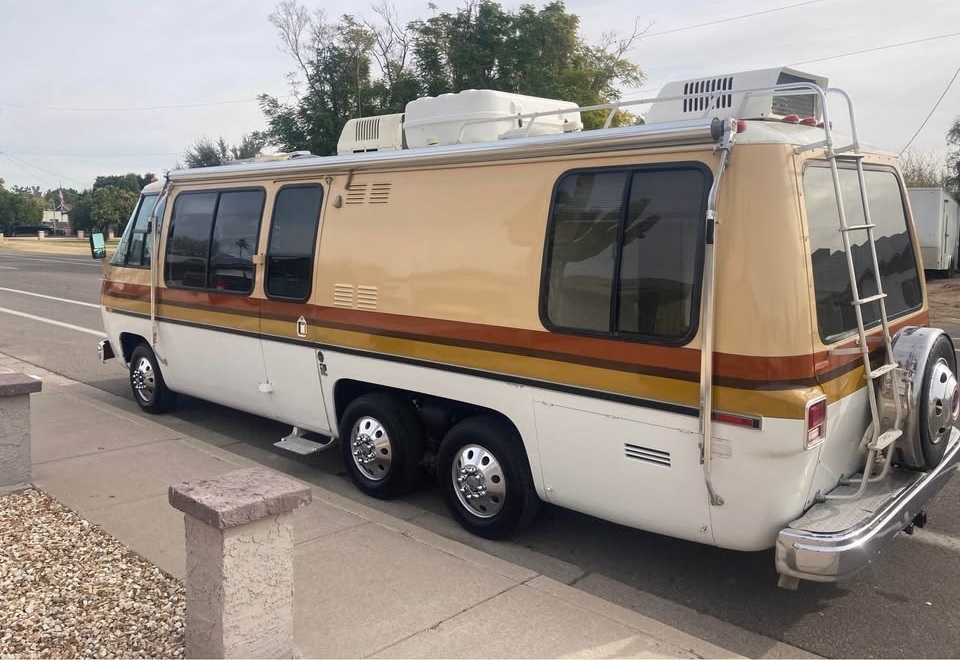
(367, 583)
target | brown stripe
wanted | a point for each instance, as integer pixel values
(741, 371)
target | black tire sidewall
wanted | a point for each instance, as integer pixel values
(164, 398)
(933, 453)
(504, 443)
(406, 443)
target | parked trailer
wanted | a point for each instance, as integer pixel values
(937, 216)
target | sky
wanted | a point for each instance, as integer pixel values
(86, 88)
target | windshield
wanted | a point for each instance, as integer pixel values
(133, 239)
(898, 267)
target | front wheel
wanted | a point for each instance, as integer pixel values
(149, 389)
(485, 478)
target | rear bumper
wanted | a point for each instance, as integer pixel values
(832, 556)
(105, 350)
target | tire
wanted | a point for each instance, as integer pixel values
(938, 402)
(382, 440)
(485, 478)
(149, 389)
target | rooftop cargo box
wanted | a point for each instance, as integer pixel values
(482, 115)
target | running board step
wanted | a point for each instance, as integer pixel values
(296, 443)
(885, 439)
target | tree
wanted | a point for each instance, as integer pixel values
(358, 67)
(19, 206)
(922, 169)
(952, 181)
(111, 206)
(204, 152)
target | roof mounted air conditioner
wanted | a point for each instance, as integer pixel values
(380, 133)
(726, 96)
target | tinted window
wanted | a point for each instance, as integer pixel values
(586, 218)
(293, 235)
(188, 243)
(235, 240)
(659, 264)
(898, 268)
(624, 252)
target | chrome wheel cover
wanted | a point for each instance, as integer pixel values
(943, 402)
(478, 481)
(144, 380)
(370, 448)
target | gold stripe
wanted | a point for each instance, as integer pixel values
(785, 404)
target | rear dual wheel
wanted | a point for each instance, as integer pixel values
(485, 478)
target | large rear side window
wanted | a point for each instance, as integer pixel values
(624, 252)
(899, 276)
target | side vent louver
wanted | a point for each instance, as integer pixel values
(343, 295)
(367, 297)
(380, 193)
(646, 454)
(698, 94)
(356, 194)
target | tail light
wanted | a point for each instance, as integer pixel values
(816, 423)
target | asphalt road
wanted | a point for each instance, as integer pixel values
(904, 605)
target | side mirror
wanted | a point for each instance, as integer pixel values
(98, 246)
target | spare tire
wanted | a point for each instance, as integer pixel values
(939, 402)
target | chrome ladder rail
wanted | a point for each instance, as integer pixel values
(880, 439)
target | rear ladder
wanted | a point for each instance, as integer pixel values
(881, 438)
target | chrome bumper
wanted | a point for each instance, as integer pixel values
(105, 350)
(828, 557)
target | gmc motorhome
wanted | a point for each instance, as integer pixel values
(712, 326)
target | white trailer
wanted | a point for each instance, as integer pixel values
(937, 216)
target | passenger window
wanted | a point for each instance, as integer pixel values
(293, 237)
(898, 268)
(235, 233)
(624, 252)
(188, 242)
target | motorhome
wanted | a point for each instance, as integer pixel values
(711, 326)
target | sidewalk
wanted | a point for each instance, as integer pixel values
(367, 584)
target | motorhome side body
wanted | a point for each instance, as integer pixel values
(555, 283)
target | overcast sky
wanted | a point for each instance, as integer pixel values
(75, 77)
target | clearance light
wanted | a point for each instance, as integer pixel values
(820, 124)
(809, 121)
(816, 425)
(791, 119)
(741, 126)
(736, 420)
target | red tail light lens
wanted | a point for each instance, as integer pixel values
(816, 426)
(791, 119)
(809, 121)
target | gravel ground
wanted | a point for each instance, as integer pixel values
(68, 590)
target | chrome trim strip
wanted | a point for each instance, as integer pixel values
(829, 557)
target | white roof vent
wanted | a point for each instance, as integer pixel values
(484, 115)
(381, 133)
(725, 95)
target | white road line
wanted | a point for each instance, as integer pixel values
(945, 541)
(8, 268)
(76, 262)
(40, 295)
(69, 326)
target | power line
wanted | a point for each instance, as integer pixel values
(834, 57)
(45, 154)
(29, 173)
(935, 106)
(871, 50)
(137, 108)
(14, 159)
(732, 18)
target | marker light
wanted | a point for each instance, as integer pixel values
(816, 426)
